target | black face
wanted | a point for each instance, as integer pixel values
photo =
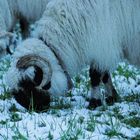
(30, 97)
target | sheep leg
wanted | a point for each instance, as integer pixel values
(96, 96)
(110, 93)
(95, 77)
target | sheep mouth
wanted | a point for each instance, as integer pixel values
(32, 98)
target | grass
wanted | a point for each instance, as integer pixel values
(117, 113)
(15, 117)
(17, 135)
(3, 122)
(61, 104)
(127, 71)
(133, 122)
(112, 133)
(124, 71)
(133, 98)
(113, 126)
(50, 136)
(91, 123)
(5, 96)
(136, 137)
(73, 131)
(67, 121)
(13, 108)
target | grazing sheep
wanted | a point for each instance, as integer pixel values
(26, 11)
(70, 35)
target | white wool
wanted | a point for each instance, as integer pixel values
(5, 16)
(58, 83)
(91, 31)
(34, 8)
(14, 75)
(13, 80)
(12, 10)
(101, 32)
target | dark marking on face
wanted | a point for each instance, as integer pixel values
(95, 77)
(31, 98)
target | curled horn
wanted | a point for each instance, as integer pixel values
(36, 61)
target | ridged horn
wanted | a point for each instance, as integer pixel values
(36, 61)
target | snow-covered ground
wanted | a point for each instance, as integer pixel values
(68, 117)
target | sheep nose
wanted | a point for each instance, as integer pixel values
(31, 97)
(32, 100)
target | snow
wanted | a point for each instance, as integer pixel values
(75, 121)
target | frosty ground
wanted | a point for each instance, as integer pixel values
(68, 117)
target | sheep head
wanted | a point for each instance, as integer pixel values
(33, 92)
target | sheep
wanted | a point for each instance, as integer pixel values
(26, 11)
(69, 36)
